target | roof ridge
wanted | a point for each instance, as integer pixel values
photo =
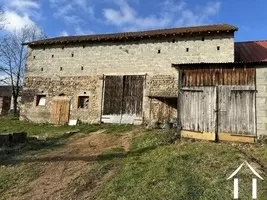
(139, 34)
(251, 41)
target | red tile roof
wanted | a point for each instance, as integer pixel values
(217, 28)
(252, 51)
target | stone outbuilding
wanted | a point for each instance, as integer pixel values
(116, 78)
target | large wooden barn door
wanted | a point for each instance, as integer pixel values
(218, 102)
(123, 99)
(197, 113)
(60, 111)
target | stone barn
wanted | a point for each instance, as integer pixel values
(227, 100)
(116, 78)
(5, 99)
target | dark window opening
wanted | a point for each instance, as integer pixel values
(61, 69)
(218, 48)
(81, 68)
(159, 51)
(44, 48)
(83, 46)
(52, 56)
(62, 47)
(173, 41)
(187, 49)
(34, 57)
(203, 38)
(84, 93)
(72, 55)
(83, 102)
(40, 100)
(62, 95)
(42, 69)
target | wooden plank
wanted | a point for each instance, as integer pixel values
(236, 138)
(197, 135)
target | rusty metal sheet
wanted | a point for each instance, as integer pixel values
(253, 51)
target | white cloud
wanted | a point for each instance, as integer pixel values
(64, 33)
(80, 31)
(19, 13)
(16, 21)
(72, 11)
(24, 5)
(171, 14)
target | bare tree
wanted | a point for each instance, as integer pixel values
(2, 18)
(13, 56)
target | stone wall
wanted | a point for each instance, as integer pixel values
(261, 100)
(56, 69)
(72, 87)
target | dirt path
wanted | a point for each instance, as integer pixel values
(64, 165)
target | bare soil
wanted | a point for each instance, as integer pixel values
(66, 164)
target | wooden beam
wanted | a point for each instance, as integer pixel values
(198, 135)
(236, 138)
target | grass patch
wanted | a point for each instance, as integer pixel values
(14, 177)
(183, 171)
(117, 129)
(91, 178)
(14, 125)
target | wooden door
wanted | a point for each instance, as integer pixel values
(60, 111)
(237, 113)
(197, 112)
(123, 99)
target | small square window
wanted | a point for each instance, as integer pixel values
(34, 57)
(218, 48)
(159, 51)
(53, 56)
(81, 68)
(72, 55)
(83, 102)
(42, 69)
(60, 68)
(40, 100)
(187, 49)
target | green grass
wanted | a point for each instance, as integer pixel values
(13, 177)
(13, 125)
(154, 168)
(118, 129)
(183, 171)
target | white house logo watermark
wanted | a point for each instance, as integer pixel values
(254, 180)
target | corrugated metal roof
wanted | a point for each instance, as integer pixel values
(140, 34)
(251, 51)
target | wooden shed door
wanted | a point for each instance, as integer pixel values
(60, 111)
(222, 112)
(236, 113)
(198, 119)
(123, 99)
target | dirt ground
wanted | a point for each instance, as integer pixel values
(64, 165)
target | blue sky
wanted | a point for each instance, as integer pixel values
(77, 17)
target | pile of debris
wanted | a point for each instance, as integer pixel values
(167, 124)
